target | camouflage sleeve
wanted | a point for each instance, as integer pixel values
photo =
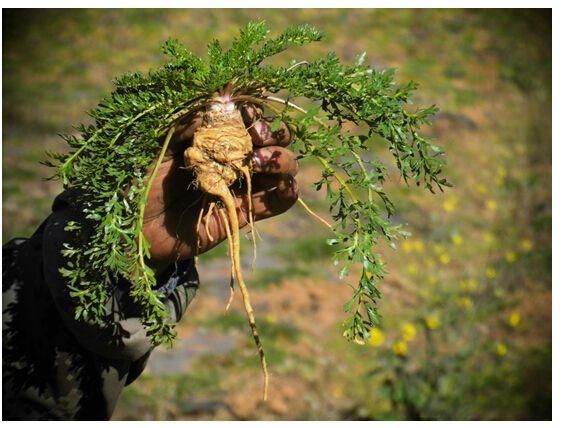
(123, 336)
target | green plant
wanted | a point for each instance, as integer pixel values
(133, 126)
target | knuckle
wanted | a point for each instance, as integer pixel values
(261, 131)
(283, 136)
(250, 113)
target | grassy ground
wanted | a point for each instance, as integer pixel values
(466, 328)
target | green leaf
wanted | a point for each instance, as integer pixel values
(275, 125)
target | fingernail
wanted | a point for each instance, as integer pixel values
(283, 135)
(287, 184)
(256, 160)
(264, 133)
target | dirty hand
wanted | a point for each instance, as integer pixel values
(172, 213)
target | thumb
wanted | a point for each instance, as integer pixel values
(183, 135)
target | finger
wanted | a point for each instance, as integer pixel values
(263, 136)
(182, 137)
(272, 194)
(251, 113)
(259, 183)
(282, 193)
(268, 203)
(275, 160)
(262, 182)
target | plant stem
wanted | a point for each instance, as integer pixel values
(288, 103)
(307, 208)
(144, 201)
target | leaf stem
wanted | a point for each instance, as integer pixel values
(256, 100)
(74, 155)
(340, 180)
(174, 116)
(286, 102)
(296, 107)
(292, 67)
(131, 121)
(364, 172)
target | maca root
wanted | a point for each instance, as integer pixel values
(219, 156)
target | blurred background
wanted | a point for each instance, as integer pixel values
(466, 331)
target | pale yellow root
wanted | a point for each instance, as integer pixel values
(198, 224)
(225, 196)
(230, 240)
(221, 146)
(303, 204)
(207, 218)
(247, 175)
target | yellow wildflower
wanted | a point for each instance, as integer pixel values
(419, 246)
(499, 292)
(433, 322)
(400, 348)
(271, 318)
(511, 256)
(409, 332)
(432, 279)
(338, 392)
(491, 204)
(469, 284)
(489, 238)
(473, 284)
(501, 171)
(425, 293)
(457, 239)
(450, 204)
(412, 269)
(482, 189)
(514, 319)
(526, 245)
(501, 349)
(465, 302)
(444, 259)
(376, 337)
(407, 246)
(490, 272)
(439, 249)
(501, 174)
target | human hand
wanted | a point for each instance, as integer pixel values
(174, 204)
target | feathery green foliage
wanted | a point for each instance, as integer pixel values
(110, 159)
